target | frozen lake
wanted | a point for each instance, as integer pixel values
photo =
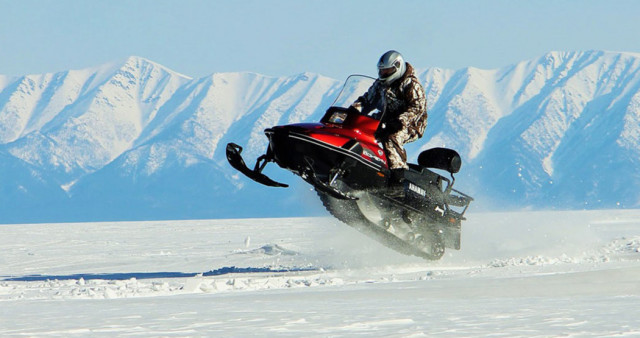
(517, 274)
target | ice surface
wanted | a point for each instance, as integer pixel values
(518, 274)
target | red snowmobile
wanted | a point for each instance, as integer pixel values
(341, 158)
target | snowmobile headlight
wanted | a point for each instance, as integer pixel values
(338, 117)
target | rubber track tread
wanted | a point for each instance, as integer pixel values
(347, 211)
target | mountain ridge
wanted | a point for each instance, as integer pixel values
(542, 133)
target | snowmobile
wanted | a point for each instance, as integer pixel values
(341, 158)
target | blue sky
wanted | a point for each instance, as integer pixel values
(286, 37)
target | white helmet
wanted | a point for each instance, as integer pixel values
(391, 66)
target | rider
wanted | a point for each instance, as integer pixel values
(398, 94)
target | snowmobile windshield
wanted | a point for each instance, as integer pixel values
(354, 87)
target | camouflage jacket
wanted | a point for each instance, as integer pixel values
(404, 104)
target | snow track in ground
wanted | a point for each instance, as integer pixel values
(522, 273)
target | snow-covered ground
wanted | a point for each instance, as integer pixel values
(518, 274)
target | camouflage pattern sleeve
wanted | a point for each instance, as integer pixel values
(415, 117)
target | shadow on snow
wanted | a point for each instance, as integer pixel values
(154, 275)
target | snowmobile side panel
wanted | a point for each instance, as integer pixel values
(303, 153)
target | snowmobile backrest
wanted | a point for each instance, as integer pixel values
(441, 158)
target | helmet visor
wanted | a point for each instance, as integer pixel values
(386, 72)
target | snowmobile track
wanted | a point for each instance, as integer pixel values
(348, 212)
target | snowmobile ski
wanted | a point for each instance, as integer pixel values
(236, 161)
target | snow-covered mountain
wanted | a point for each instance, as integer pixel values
(135, 140)
(559, 131)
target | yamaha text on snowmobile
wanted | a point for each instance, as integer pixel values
(347, 166)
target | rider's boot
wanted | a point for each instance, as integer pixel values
(395, 188)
